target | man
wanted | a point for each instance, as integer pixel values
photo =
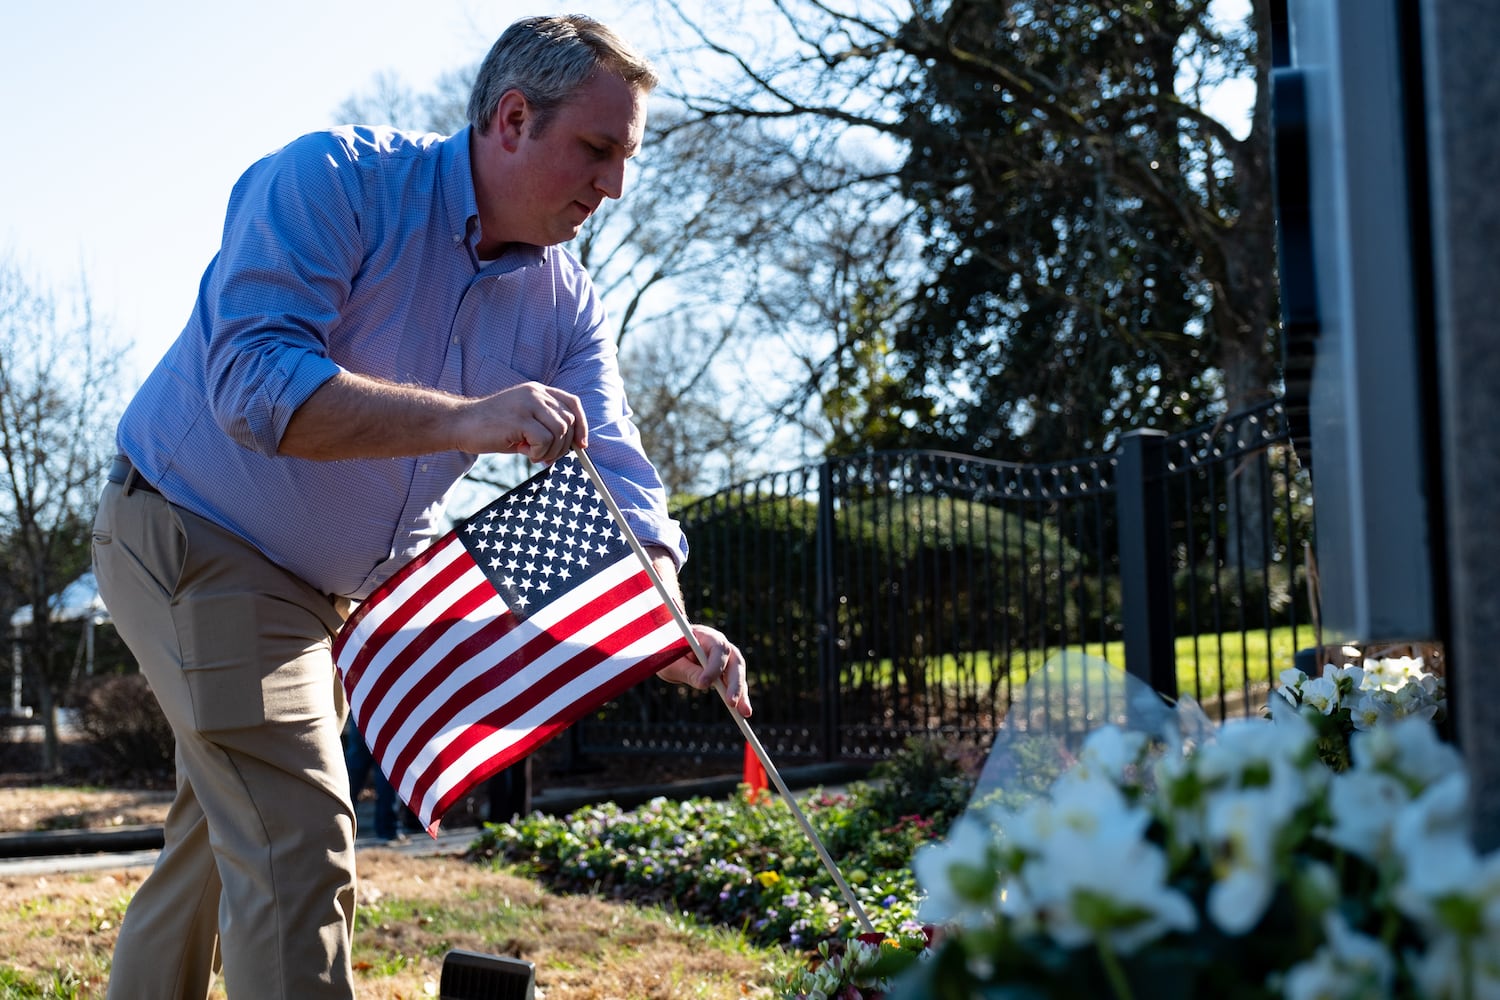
(384, 308)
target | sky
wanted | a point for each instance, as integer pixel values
(130, 122)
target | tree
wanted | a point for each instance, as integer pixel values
(57, 419)
(1098, 243)
(686, 427)
(834, 303)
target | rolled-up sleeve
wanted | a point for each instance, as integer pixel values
(291, 249)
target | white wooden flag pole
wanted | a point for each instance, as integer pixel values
(723, 690)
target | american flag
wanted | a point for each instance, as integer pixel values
(505, 631)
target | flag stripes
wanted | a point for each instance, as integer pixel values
(501, 634)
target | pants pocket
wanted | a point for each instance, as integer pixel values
(255, 640)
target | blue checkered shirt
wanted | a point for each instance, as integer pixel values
(354, 250)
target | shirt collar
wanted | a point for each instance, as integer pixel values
(461, 209)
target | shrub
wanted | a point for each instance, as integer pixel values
(927, 778)
(124, 725)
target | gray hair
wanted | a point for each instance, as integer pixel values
(547, 59)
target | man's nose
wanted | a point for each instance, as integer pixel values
(611, 179)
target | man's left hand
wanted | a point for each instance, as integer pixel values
(725, 661)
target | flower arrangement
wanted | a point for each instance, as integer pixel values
(1345, 700)
(1241, 862)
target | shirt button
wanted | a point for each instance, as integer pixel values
(424, 466)
(454, 341)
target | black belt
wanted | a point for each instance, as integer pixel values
(124, 473)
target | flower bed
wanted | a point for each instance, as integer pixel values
(749, 864)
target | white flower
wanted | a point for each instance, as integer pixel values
(1393, 672)
(1440, 813)
(1292, 680)
(1246, 748)
(1442, 888)
(1242, 831)
(1451, 969)
(1408, 748)
(1413, 700)
(1364, 805)
(1095, 806)
(1179, 799)
(1346, 680)
(1090, 805)
(1288, 707)
(1449, 890)
(1369, 709)
(1349, 966)
(1085, 887)
(960, 876)
(1321, 694)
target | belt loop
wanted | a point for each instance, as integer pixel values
(129, 484)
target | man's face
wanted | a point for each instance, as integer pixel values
(563, 174)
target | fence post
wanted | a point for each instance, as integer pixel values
(828, 619)
(1145, 566)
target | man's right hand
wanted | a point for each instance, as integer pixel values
(530, 419)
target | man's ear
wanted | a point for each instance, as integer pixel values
(512, 119)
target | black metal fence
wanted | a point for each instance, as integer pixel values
(890, 595)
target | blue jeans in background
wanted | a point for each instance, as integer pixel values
(358, 760)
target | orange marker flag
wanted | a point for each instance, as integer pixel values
(755, 775)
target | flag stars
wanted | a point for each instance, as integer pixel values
(544, 536)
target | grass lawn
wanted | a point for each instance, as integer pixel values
(1207, 664)
(60, 929)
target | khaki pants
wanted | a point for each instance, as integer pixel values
(257, 873)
